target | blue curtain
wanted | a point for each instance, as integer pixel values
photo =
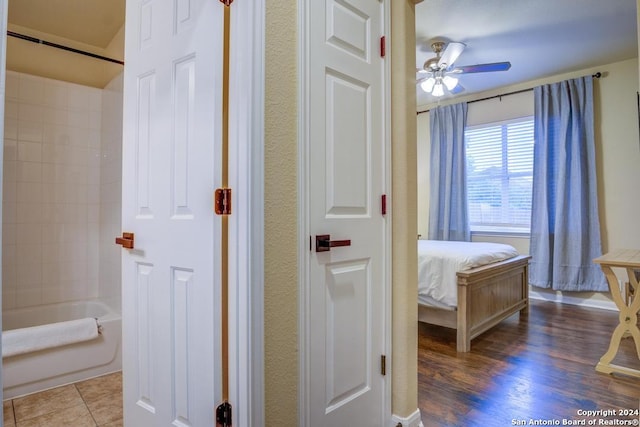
(448, 213)
(565, 228)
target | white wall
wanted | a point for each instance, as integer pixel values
(617, 151)
(52, 186)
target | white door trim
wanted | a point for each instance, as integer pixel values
(4, 10)
(304, 255)
(303, 211)
(246, 223)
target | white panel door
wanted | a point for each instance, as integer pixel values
(171, 166)
(346, 308)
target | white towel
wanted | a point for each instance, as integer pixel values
(26, 340)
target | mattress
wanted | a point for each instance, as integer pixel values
(439, 261)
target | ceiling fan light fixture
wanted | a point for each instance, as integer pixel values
(438, 90)
(450, 82)
(427, 85)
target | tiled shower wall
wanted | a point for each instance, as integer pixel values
(51, 191)
(111, 192)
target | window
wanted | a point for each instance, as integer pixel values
(499, 175)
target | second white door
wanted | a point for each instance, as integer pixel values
(346, 181)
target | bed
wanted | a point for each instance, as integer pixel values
(470, 286)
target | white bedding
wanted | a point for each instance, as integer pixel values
(439, 261)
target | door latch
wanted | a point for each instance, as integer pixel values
(126, 241)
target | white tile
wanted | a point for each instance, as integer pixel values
(78, 98)
(29, 172)
(29, 234)
(93, 159)
(56, 94)
(10, 109)
(93, 195)
(95, 120)
(55, 116)
(29, 271)
(95, 100)
(51, 271)
(76, 155)
(47, 209)
(9, 213)
(30, 113)
(94, 139)
(10, 149)
(12, 83)
(78, 136)
(28, 296)
(79, 118)
(33, 254)
(31, 89)
(29, 151)
(28, 213)
(9, 235)
(9, 193)
(10, 128)
(93, 213)
(73, 271)
(9, 171)
(9, 256)
(9, 278)
(55, 134)
(53, 293)
(8, 299)
(30, 192)
(30, 131)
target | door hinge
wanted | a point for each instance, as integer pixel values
(382, 47)
(383, 364)
(383, 203)
(222, 201)
(223, 415)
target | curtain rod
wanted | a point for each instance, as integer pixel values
(59, 46)
(595, 76)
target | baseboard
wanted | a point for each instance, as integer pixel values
(413, 420)
(564, 299)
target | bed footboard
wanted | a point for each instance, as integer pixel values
(486, 296)
(489, 294)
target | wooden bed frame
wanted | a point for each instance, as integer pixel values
(486, 296)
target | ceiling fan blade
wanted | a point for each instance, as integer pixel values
(451, 53)
(422, 79)
(482, 68)
(459, 88)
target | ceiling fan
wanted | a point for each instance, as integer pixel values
(439, 73)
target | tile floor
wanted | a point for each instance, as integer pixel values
(90, 403)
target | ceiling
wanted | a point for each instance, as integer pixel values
(540, 38)
(94, 26)
(93, 22)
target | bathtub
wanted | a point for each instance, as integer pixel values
(40, 370)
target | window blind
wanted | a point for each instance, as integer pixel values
(499, 175)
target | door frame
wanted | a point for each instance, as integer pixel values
(4, 11)
(304, 255)
(246, 223)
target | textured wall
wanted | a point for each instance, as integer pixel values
(404, 209)
(280, 233)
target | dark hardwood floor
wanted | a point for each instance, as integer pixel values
(539, 366)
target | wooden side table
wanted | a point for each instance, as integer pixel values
(628, 259)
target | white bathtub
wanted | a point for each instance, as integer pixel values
(40, 370)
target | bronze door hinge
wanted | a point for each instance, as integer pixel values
(222, 201)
